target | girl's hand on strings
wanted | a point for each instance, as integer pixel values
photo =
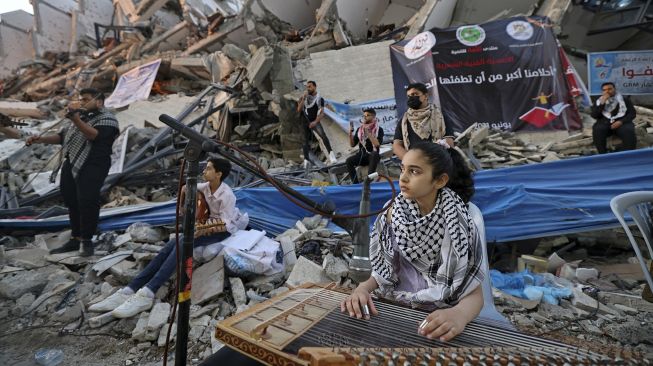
(443, 324)
(359, 304)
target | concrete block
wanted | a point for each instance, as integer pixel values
(335, 267)
(259, 66)
(69, 313)
(20, 109)
(138, 333)
(27, 258)
(307, 271)
(587, 303)
(53, 25)
(208, 281)
(15, 43)
(586, 274)
(158, 316)
(16, 284)
(236, 53)
(145, 233)
(161, 341)
(238, 291)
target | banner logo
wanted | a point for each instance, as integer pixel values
(520, 30)
(470, 35)
(419, 45)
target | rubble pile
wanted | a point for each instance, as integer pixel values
(605, 309)
(490, 149)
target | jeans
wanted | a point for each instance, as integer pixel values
(307, 138)
(161, 268)
(82, 196)
(362, 158)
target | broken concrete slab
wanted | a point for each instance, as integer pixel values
(110, 260)
(206, 43)
(70, 259)
(158, 316)
(51, 240)
(15, 284)
(27, 258)
(335, 268)
(236, 53)
(208, 281)
(147, 112)
(20, 109)
(139, 331)
(161, 341)
(587, 303)
(124, 271)
(69, 313)
(260, 65)
(238, 291)
(306, 271)
(145, 233)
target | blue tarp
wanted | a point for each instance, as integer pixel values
(523, 202)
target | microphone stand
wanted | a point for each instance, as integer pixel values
(196, 149)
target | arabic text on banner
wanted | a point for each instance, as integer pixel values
(505, 74)
(630, 71)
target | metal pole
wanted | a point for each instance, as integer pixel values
(192, 155)
(360, 267)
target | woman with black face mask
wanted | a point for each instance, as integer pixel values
(421, 122)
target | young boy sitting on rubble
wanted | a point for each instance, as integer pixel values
(138, 296)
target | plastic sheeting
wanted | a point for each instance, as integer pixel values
(523, 202)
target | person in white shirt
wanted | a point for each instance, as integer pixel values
(138, 296)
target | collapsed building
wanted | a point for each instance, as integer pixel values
(266, 50)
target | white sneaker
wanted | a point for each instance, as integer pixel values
(332, 157)
(110, 303)
(306, 164)
(136, 303)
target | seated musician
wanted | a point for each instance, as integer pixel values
(425, 250)
(138, 296)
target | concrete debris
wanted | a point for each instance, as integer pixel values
(208, 281)
(336, 268)
(264, 51)
(144, 233)
(158, 316)
(238, 291)
(306, 271)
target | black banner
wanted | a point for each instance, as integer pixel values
(506, 74)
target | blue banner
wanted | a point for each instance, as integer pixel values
(630, 71)
(386, 113)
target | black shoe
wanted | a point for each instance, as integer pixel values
(71, 246)
(88, 248)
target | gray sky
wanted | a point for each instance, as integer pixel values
(11, 5)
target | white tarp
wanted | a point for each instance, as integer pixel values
(134, 85)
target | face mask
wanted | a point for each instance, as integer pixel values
(414, 102)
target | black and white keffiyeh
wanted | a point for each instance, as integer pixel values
(311, 100)
(443, 246)
(76, 146)
(612, 105)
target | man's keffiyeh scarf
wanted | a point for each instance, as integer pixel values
(444, 246)
(372, 129)
(310, 101)
(428, 124)
(76, 146)
(614, 104)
